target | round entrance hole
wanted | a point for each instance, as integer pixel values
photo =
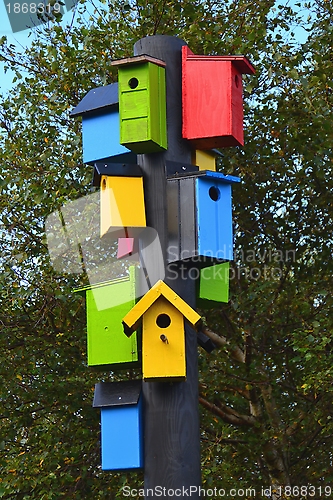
(133, 83)
(163, 320)
(214, 193)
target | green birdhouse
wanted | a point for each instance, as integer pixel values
(142, 104)
(213, 285)
(106, 305)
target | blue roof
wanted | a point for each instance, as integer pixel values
(221, 177)
(97, 99)
(204, 174)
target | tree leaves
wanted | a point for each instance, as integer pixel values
(273, 368)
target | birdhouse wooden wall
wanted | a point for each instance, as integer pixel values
(212, 99)
(205, 160)
(162, 313)
(100, 136)
(213, 285)
(121, 424)
(142, 104)
(106, 305)
(100, 126)
(122, 203)
(200, 216)
(163, 343)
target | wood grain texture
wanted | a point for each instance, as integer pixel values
(142, 107)
(160, 289)
(122, 203)
(122, 437)
(100, 136)
(106, 306)
(214, 219)
(163, 360)
(212, 99)
(214, 283)
(172, 432)
(137, 60)
(205, 160)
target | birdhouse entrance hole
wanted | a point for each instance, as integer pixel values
(163, 320)
(133, 83)
(214, 193)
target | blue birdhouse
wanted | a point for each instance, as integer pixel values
(121, 424)
(100, 126)
(200, 216)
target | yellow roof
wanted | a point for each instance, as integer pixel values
(133, 317)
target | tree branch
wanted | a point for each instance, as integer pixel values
(227, 414)
(236, 352)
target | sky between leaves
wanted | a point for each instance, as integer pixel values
(23, 39)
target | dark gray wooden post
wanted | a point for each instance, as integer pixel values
(172, 432)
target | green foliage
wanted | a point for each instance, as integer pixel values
(266, 394)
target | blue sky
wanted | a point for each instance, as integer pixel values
(22, 39)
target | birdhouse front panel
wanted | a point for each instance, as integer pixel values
(163, 342)
(182, 234)
(200, 216)
(122, 203)
(100, 126)
(121, 424)
(142, 105)
(212, 99)
(214, 219)
(106, 305)
(213, 285)
(121, 436)
(100, 136)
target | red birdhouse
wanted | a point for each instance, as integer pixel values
(213, 99)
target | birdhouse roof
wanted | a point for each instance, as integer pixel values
(117, 393)
(117, 281)
(220, 177)
(241, 63)
(134, 316)
(97, 99)
(143, 58)
(207, 174)
(115, 170)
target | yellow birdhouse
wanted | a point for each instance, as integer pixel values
(205, 160)
(122, 202)
(162, 313)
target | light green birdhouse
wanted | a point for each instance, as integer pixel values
(106, 305)
(142, 104)
(213, 285)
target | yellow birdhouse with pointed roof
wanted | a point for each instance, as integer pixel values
(162, 313)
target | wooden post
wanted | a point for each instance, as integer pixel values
(171, 429)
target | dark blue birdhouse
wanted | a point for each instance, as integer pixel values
(100, 126)
(121, 424)
(200, 216)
